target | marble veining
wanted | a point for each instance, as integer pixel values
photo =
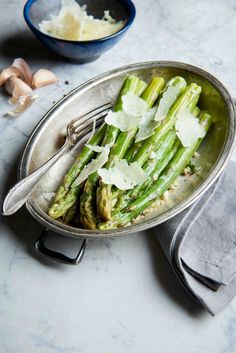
(124, 296)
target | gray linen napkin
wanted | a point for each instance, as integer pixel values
(200, 244)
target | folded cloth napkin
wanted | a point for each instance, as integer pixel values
(200, 244)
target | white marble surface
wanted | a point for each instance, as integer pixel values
(124, 296)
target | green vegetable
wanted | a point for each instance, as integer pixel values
(66, 195)
(104, 197)
(153, 167)
(88, 216)
(187, 100)
(69, 216)
(172, 171)
(124, 141)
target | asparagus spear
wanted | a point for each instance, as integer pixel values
(189, 96)
(172, 171)
(187, 100)
(153, 167)
(69, 216)
(66, 196)
(109, 138)
(132, 84)
(87, 201)
(132, 151)
(104, 197)
(83, 158)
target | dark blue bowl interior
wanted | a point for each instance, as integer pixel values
(37, 10)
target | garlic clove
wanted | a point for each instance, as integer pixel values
(22, 103)
(8, 72)
(16, 87)
(24, 69)
(43, 77)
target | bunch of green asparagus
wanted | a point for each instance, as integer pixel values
(94, 204)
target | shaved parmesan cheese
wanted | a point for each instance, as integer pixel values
(123, 175)
(133, 104)
(147, 125)
(93, 129)
(73, 23)
(188, 129)
(122, 120)
(166, 101)
(94, 165)
(131, 115)
(96, 148)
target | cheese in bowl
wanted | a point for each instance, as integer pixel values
(73, 23)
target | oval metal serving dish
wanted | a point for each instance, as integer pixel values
(46, 139)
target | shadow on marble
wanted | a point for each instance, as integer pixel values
(24, 44)
(168, 280)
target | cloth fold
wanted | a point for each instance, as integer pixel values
(200, 244)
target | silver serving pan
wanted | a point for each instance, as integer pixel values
(47, 138)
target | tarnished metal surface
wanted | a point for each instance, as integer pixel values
(47, 138)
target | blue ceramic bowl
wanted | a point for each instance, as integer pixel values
(83, 51)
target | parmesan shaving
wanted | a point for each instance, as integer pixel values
(134, 105)
(94, 165)
(73, 23)
(147, 126)
(93, 129)
(188, 129)
(133, 108)
(122, 120)
(166, 101)
(123, 175)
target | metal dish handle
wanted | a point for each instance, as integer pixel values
(56, 256)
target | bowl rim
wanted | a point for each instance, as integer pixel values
(128, 4)
(215, 172)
